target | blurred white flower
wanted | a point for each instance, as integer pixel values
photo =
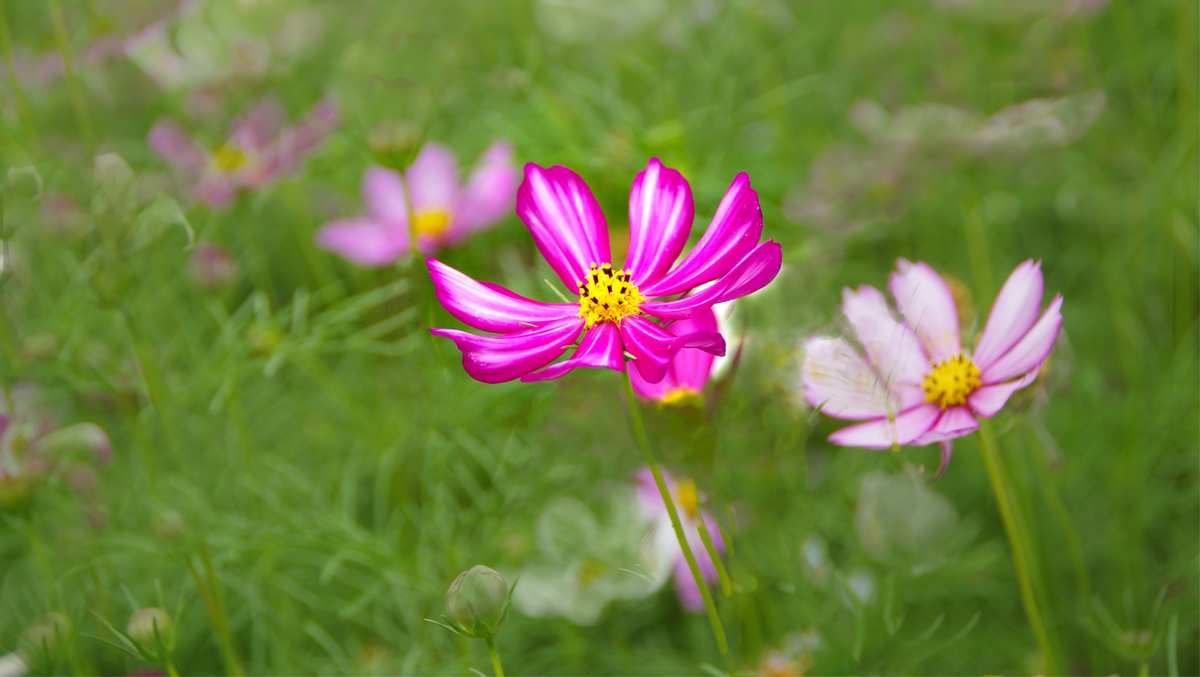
(901, 520)
(13, 666)
(862, 585)
(816, 561)
(576, 21)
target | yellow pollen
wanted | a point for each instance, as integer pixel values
(681, 397)
(432, 223)
(688, 499)
(229, 158)
(950, 381)
(607, 295)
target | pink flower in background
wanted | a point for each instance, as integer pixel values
(259, 150)
(916, 384)
(570, 231)
(687, 500)
(690, 369)
(446, 211)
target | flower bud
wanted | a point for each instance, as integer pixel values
(477, 601)
(42, 637)
(150, 626)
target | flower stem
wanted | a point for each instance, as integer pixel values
(639, 432)
(1018, 540)
(497, 668)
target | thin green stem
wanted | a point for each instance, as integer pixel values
(497, 668)
(1018, 540)
(639, 433)
(210, 592)
(706, 538)
(171, 671)
(64, 46)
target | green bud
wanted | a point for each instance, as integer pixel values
(44, 636)
(150, 626)
(477, 601)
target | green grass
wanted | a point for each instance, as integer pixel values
(339, 468)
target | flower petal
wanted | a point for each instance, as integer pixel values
(660, 220)
(839, 382)
(893, 348)
(293, 143)
(1031, 350)
(433, 179)
(490, 191)
(752, 273)
(491, 307)
(947, 450)
(215, 191)
(1013, 313)
(653, 347)
(928, 308)
(364, 241)
(174, 145)
(691, 367)
(600, 349)
(885, 434)
(733, 231)
(383, 193)
(496, 359)
(954, 422)
(989, 400)
(565, 221)
(256, 130)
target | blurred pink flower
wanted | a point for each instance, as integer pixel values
(916, 384)
(687, 500)
(211, 267)
(445, 210)
(690, 369)
(259, 150)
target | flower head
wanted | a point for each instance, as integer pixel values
(615, 304)
(916, 384)
(445, 210)
(258, 150)
(688, 501)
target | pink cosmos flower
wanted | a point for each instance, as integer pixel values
(687, 501)
(690, 369)
(446, 211)
(916, 385)
(259, 150)
(614, 304)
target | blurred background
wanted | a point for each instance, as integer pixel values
(210, 415)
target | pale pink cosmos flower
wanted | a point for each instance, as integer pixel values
(446, 210)
(687, 500)
(259, 150)
(690, 369)
(916, 384)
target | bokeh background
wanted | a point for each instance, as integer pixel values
(289, 447)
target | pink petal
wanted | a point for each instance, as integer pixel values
(928, 308)
(294, 143)
(752, 273)
(989, 400)
(653, 347)
(433, 179)
(599, 349)
(685, 587)
(660, 219)
(954, 422)
(383, 193)
(364, 241)
(174, 145)
(1013, 313)
(893, 348)
(258, 129)
(947, 450)
(840, 382)
(1031, 350)
(217, 192)
(491, 307)
(691, 367)
(496, 359)
(491, 190)
(733, 231)
(885, 434)
(565, 221)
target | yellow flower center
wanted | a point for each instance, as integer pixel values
(687, 499)
(590, 572)
(950, 381)
(681, 397)
(432, 223)
(229, 158)
(607, 295)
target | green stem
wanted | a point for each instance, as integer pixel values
(1018, 540)
(639, 432)
(64, 46)
(210, 592)
(171, 671)
(497, 668)
(706, 538)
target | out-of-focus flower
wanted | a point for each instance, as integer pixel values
(585, 563)
(44, 635)
(568, 227)
(259, 150)
(477, 601)
(445, 211)
(861, 585)
(1016, 10)
(150, 627)
(687, 500)
(576, 21)
(688, 372)
(901, 520)
(12, 665)
(916, 384)
(211, 267)
(815, 559)
(1038, 123)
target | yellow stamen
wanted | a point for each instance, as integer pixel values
(950, 381)
(681, 397)
(607, 295)
(229, 158)
(432, 223)
(688, 499)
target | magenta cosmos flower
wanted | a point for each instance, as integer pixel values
(687, 500)
(445, 211)
(259, 150)
(916, 385)
(616, 305)
(690, 369)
